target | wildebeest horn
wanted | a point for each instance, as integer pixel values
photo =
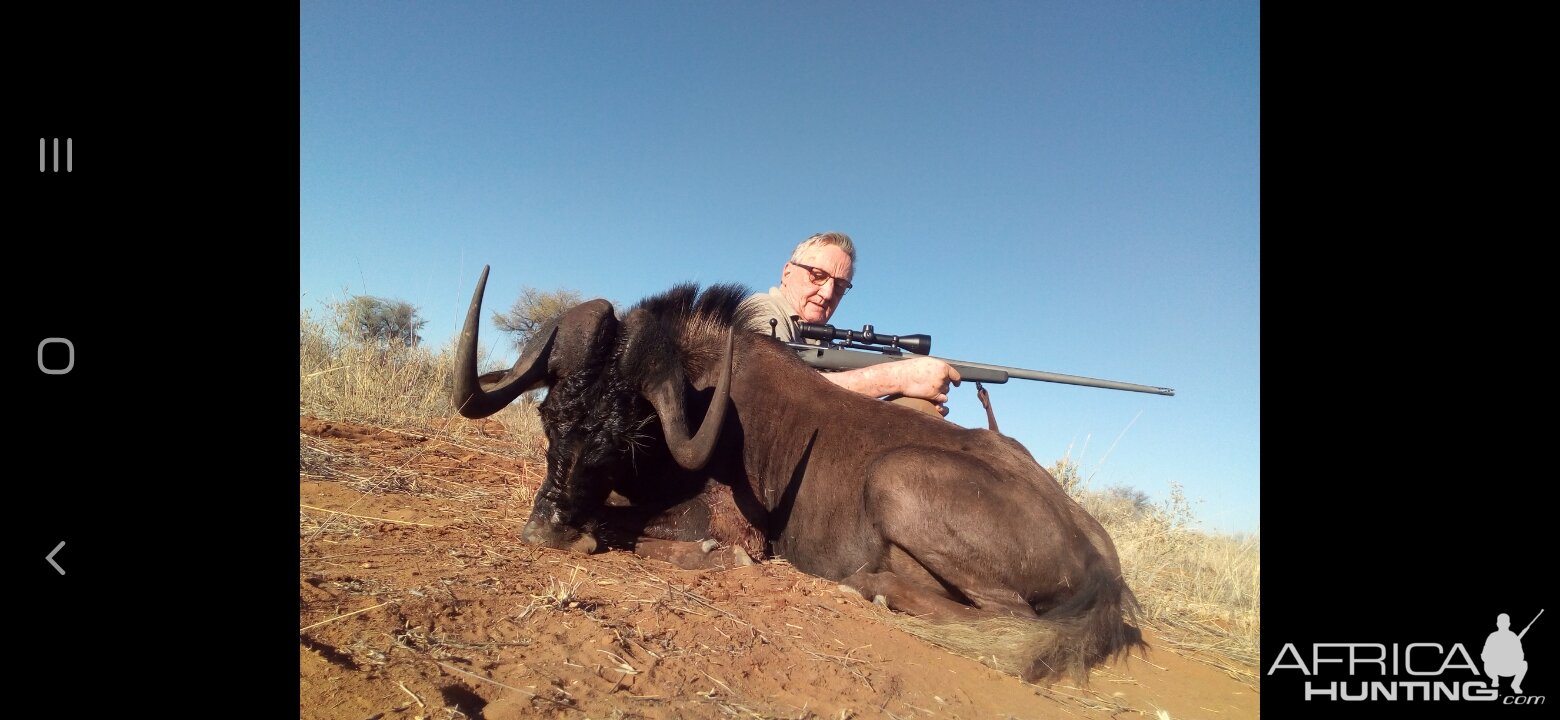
(666, 396)
(470, 399)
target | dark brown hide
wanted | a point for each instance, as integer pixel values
(952, 524)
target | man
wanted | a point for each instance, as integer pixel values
(812, 283)
(1503, 654)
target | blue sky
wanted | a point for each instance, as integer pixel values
(1070, 187)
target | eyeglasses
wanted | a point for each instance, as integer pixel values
(819, 277)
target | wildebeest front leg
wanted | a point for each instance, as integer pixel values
(690, 555)
(705, 532)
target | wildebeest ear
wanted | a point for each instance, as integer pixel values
(645, 348)
(585, 332)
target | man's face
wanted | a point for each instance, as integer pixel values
(815, 303)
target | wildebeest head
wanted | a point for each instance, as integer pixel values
(605, 377)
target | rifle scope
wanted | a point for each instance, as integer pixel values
(918, 344)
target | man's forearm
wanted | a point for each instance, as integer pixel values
(874, 381)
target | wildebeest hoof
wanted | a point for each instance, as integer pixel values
(585, 544)
(880, 600)
(709, 545)
(850, 590)
(743, 559)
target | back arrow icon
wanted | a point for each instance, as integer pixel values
(50, 557)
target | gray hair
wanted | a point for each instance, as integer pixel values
(837, 239)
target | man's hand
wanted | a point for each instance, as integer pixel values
(926, 378)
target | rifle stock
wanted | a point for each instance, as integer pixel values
(827, 358)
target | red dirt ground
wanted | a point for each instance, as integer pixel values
(417, 600)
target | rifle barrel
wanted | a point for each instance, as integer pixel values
(835, 359)
(1530, 624)
(1043, 376)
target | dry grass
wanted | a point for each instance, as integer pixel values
(407, 388)
(404, 389)
(1200, 592)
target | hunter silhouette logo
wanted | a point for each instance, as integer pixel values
(1503, 653)
(1419, 671)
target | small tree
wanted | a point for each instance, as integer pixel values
(379, 322)
(532, 310)
(1137, 501)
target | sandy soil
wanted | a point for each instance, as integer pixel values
(416, 600)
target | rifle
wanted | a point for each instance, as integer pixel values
(1530, 624)
(849, 350)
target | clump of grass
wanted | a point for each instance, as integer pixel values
(559, 595)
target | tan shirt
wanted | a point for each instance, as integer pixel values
(771, 306)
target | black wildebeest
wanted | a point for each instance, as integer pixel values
(960, 527)
(614, 422)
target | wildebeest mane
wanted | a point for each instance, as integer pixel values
(698, 320)
(603, 394)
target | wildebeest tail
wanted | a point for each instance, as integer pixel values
(1097, 623)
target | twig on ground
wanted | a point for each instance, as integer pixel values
(338, 617)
